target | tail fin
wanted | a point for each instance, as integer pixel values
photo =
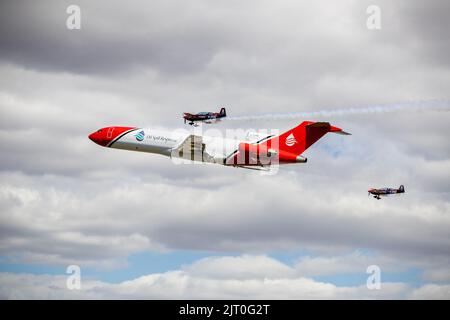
(300, 138)
(401, 189)
(223, 112)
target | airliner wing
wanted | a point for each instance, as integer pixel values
(192, 142)
(192, 148)
(258, 168)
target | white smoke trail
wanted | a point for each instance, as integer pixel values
(431, 105)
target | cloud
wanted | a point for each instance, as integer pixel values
(354, 262)
(241, 267)
(437, 275)
(53, 214)
(431, 291)
(210, 278)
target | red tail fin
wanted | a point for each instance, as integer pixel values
(300, 138)
(287, 147)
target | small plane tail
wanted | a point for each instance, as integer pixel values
(223, 112)
(300, 138)
(401, 189)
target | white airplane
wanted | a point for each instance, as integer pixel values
(259, 154)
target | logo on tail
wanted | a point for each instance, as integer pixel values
(290, 140)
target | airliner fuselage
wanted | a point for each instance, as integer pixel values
(263, 152)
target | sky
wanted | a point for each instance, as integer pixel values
(140, 226)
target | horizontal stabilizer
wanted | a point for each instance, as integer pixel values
(342, 133)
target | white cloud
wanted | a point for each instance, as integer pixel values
(241, 267)
(196, 281)
(431, 291)
(356, 262)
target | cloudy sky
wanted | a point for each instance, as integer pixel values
(140, 226)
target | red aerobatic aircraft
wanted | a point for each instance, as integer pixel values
(385, 191)
(207, 117)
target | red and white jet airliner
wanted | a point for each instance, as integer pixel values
(258, 154)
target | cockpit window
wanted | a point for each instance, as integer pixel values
(99, 131)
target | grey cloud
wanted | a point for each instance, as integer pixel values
(240, 216)
(431, 39)
(111, 39)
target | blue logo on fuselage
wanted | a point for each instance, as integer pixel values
(140, 136)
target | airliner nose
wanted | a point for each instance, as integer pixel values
(97, 137)
(92, 137)
(106, 136)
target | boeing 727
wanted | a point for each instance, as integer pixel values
(264, 152)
